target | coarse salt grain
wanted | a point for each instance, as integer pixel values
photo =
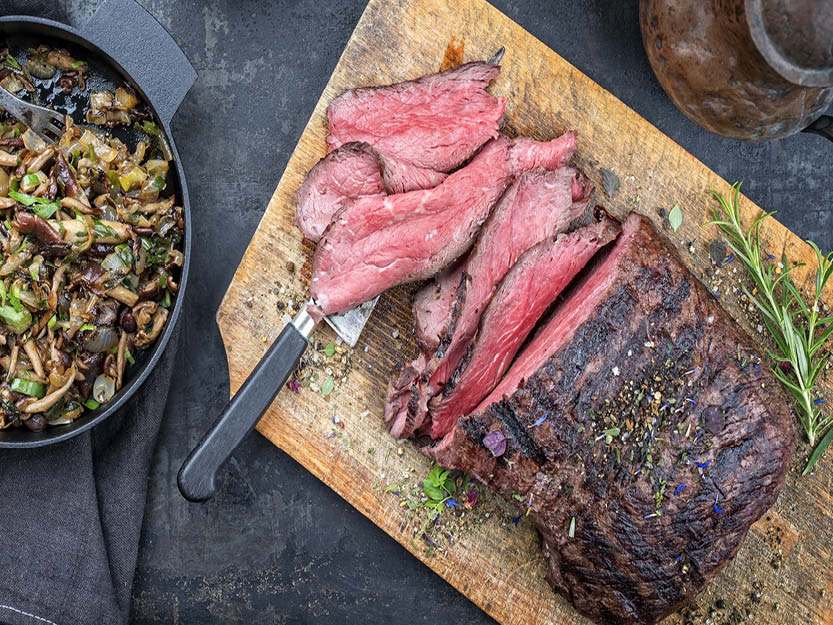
(616, 371)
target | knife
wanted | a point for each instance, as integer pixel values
(196, 478)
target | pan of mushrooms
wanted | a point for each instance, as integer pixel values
(94, 222)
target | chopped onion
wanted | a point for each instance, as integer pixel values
(104, 388)
(125, 99)
(101, 339)
(32, 141)
(114, 264)
(101, 149)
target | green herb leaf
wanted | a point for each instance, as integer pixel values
(824, 443)
(794, 326)
(52, 321)
(129, 357)
(86, 326)
(327, 386)
(675, 217)
(329, 350)
(91, 404)
(78, 64)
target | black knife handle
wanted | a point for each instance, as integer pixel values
(198, 472)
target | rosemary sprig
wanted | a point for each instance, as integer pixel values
(799, 332)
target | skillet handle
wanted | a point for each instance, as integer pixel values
(196, 477)
(822, 126)
(145, 51)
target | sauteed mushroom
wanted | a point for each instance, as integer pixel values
(90, 241)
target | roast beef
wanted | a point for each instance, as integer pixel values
(352, 171)
(525, 293)
(347, 173)
(434, 304)
(538, 205)
(641, 446)
(375, 243)
(435, 122)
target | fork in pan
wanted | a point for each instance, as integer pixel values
(41, 120)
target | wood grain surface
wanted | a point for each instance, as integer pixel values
(784, 571)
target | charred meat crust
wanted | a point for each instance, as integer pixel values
(662, 491)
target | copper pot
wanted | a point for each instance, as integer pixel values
(745, 69)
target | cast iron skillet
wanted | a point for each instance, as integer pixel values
(122, 43)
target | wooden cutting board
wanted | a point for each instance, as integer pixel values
(784, 571)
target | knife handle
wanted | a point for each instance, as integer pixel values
(197, 475)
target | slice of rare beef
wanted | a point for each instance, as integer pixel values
(434, 304)
(375, 243)
(352, 171)
(347, 173)
(641, 446)
(435, 122)
(525, 293)
(538, 205)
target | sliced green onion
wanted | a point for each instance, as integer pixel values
(129, 357)
(158, 183)
(150, 128)
(91, 404)
(12, 62)
(46, 210)
(23, 198)
(78, 64)
(17, 319)
(29, 200)
(86, 326)
(166, 301)
(52, 321)
(33, 179)
(163, 280)
(28, 387)
(147, 244)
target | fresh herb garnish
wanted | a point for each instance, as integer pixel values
(91, 404)
(675, 217)
(439, 487)
(78, 64)
(86, 326)
(329, 350)
(800, 334)
(327, 386)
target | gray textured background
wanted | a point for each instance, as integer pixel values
(276, 545)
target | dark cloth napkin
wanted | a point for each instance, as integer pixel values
(71, 513)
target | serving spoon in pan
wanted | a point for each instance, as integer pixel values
(196, 478)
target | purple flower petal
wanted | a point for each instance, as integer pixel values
(471, 499)
(495, 442)
(294, 386)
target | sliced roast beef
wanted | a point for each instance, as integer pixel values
(352, 171)
(524, 294)
(434, 122)
(347, 173)
(538, 205)
(434, 306)
(375, 243)
(400, 176)
(641, 446)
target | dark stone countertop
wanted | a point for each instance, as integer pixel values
(276, 545)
